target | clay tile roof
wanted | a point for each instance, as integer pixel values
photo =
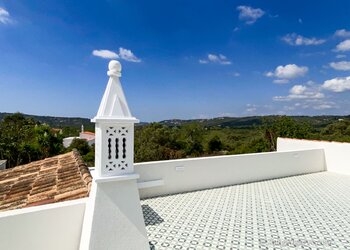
(88, 133)
(60, 178)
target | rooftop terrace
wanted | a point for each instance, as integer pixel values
(307, 211)
(295, 198)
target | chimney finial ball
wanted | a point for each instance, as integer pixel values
(114, 67)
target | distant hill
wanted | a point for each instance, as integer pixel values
(59, 122)
(230, 122)
(246, 122)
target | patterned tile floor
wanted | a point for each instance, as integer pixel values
(301, 212)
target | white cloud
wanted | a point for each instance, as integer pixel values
(316, 104)
(342, 33)
(340, 56)
(289, 108)
(261, 109)
(124, 54)
(325, 105)
(213, 58)
(300, 20)
(251, 108)
(249, 14)
(269, 74)
(281, 81)
(338, 84)
(289, 71)
(297, 89)
(343, 65)
(104, 53)
(343, 46)
(299, 92)
(219, 59)
(236, 74)
(4, 16)
(226, 114)
(202, 116)
(312, 54)
(298, 40)
(127, 55)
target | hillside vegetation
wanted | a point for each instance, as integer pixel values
(25, 138)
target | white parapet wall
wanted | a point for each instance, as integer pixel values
(175, 176)
(337, 154)
(55, 226)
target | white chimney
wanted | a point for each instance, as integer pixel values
(114, 145)
(113, 216)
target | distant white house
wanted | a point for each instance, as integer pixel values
(2, 164)
(85, 135)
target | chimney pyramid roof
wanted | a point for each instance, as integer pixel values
(113, 106)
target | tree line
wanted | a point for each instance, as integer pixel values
(160, 142)
(23, 140)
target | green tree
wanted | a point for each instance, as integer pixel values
(192, 137)
(23, 140)
(157, 142)
(215, 144)
(89, 158)
(337, 131)
(70, 131)
(81, 145)
(284, 126)
(86, 151)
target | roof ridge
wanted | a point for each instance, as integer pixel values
(83, 169)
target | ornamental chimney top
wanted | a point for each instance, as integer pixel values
(113, 106)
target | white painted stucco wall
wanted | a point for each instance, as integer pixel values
(68, 141)
(2, 164)
(174, 176)
(113, 217)
(55, 226)
(337, 154)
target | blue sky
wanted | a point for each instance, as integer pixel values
(181, 59)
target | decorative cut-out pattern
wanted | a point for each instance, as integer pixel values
(124, 148)
(301, 212)
(116, 150)
(109, 148)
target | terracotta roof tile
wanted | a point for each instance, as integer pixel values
(60, 178)
(88, 133)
